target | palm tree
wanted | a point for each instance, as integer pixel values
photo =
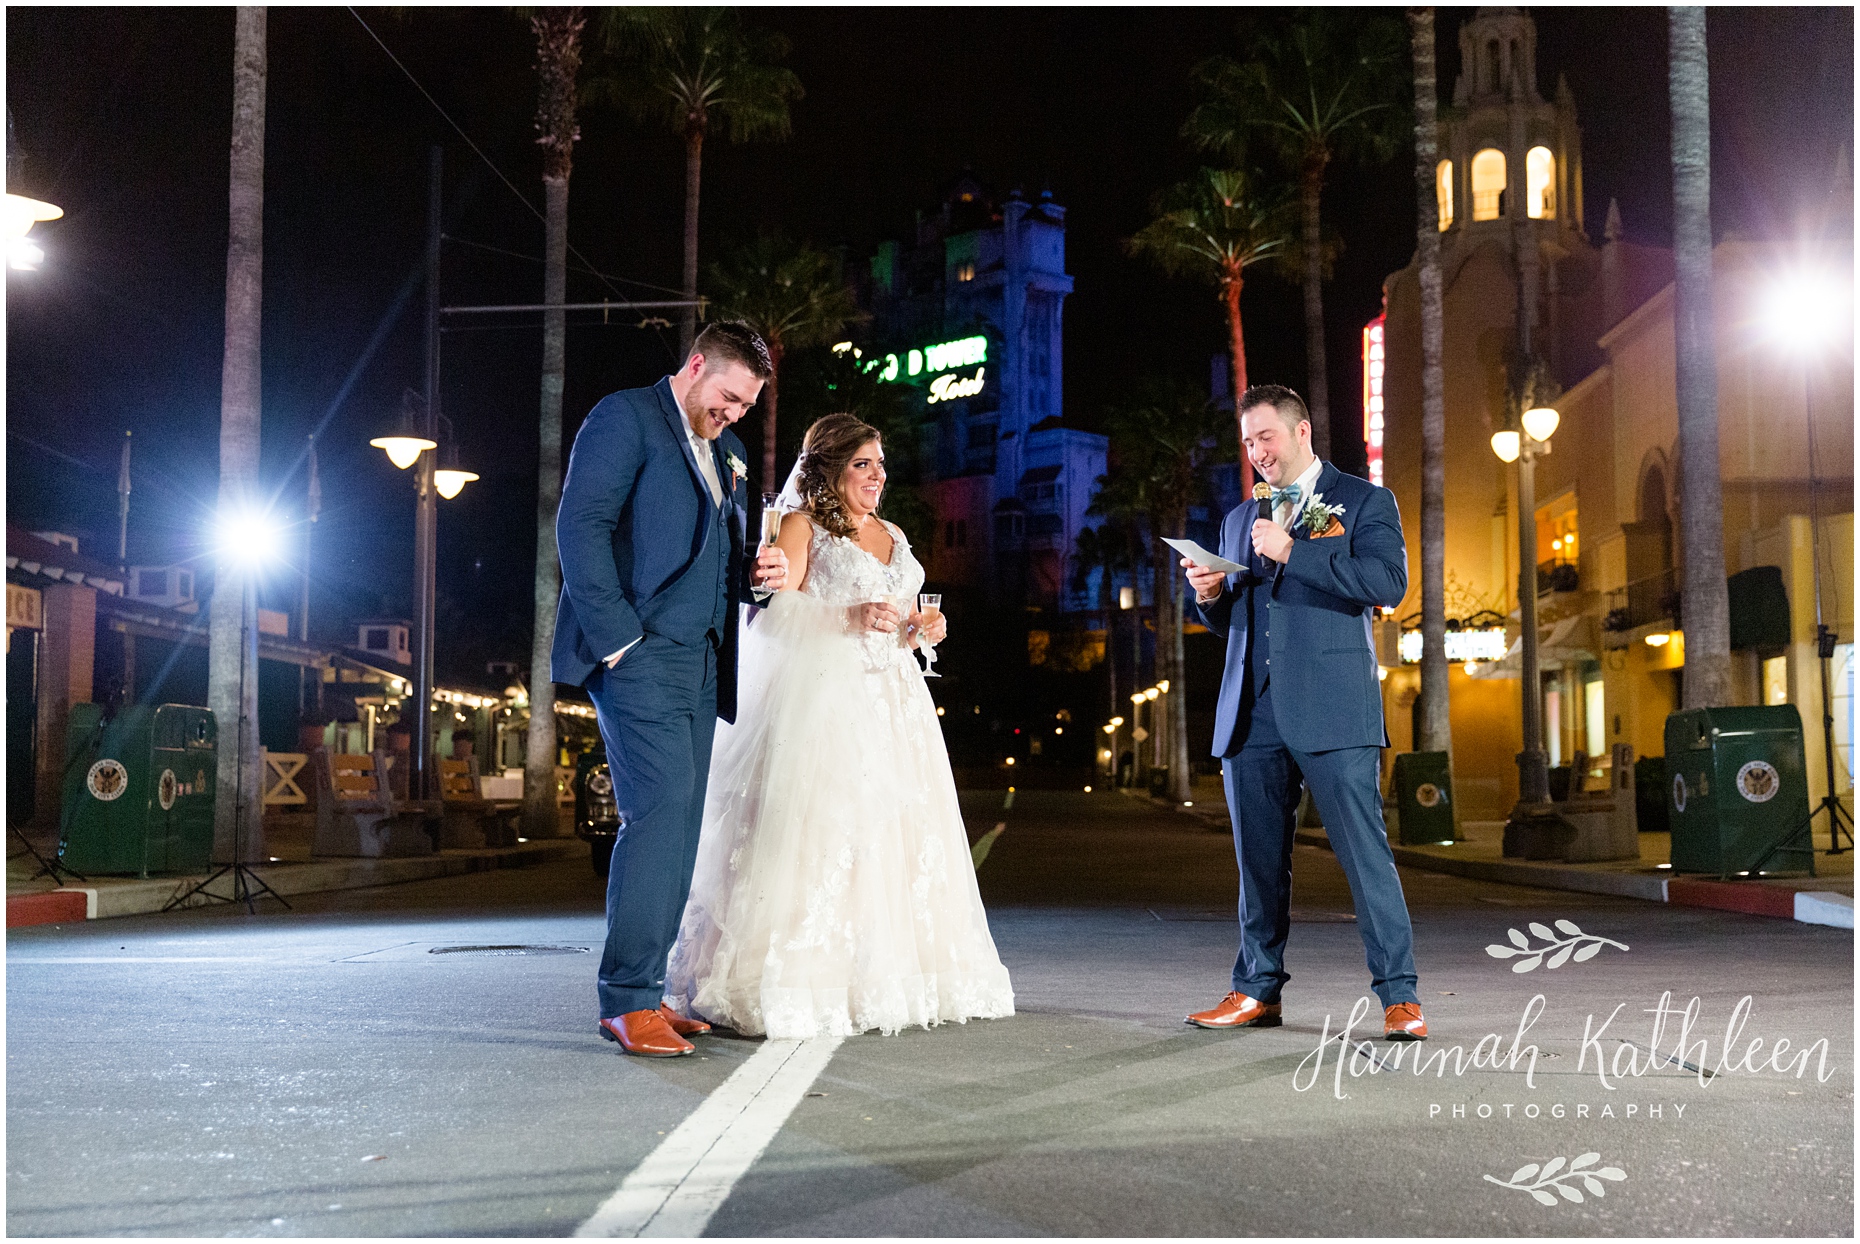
(1704, 602)
(1162, 438)
(1326, 87)
(792, 294)
(694, 66)
(1215, 228)
(232, 652)
(1436, 729)
(558, 66)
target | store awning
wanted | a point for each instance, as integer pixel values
(1567, 641)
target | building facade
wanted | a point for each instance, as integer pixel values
(969, 315)
(1606, 496)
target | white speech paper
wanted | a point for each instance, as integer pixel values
(1201, 557)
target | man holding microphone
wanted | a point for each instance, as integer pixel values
(1318, 550)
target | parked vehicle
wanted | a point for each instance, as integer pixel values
(597, 816)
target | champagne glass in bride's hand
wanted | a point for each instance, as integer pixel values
(929, 605)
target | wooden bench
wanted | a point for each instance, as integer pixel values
(470, 819)
(357, 813)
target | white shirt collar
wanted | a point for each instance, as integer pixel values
(1307, 482)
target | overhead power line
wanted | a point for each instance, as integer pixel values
(488, 163)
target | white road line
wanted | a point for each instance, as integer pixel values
(685, 1180)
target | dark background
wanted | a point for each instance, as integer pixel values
(123, 115)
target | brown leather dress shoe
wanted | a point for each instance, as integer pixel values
(646, 1034)
(680, 1025)
(1403, 1022)
(1237, 1010)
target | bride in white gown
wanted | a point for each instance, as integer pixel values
(833, 892)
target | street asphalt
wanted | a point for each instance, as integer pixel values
(322, 1072)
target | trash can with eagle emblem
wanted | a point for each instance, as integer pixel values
(1737, 790)
(139, 790)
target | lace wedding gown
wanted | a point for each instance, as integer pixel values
(833, 891)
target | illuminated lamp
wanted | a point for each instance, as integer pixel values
(404, 444)
(1507, 445)
(1540, 422)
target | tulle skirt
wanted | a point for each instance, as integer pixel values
(833, 892)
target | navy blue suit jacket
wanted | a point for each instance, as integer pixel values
(1325, 692)
(635, 517)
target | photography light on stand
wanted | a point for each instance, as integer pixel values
(245, 539)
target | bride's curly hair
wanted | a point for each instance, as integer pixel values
(830, 445)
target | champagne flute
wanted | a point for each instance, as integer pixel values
(771, 519)
(929, 604)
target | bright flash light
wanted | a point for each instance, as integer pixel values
(1658, 639)
(1803, 310)
(247, 538)
(449, 480)
(1540, 422)
(24, 254)
(1506, 445)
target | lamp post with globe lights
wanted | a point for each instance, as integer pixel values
(414, 443)
(1522, 446)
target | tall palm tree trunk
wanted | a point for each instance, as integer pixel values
(1704, 603)
(232, 646)
(771, 393)
(1436, 731)
(1317, 378)
(694, 167)
(558, 44)
(1236, 345)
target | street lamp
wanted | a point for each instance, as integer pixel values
(1523, 447)
(22, 214)
(406, 440)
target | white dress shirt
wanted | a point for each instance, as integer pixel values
(1306, 482)
(706, 456)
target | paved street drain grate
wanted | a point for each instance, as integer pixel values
(508, 950)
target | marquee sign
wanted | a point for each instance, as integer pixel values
(1481, 645)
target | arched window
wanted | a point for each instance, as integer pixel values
(1443, 192)
(1491, 67)
(1540, 184)
(1488, 183)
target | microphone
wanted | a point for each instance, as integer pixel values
(1262, 491)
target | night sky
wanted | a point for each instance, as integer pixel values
(123, 115)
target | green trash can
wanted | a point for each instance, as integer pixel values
(1737, 790)
(139, 790)
(1423, 792)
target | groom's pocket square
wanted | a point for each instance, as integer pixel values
(1335, 529)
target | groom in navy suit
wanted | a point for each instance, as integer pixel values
(1300, 701)
(652, 532)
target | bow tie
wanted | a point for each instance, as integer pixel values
(1285, 496)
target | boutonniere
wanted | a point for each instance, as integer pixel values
(738, 469)
(1320, 519)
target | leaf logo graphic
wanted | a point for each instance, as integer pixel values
(1573, 944)
(1552, 1175)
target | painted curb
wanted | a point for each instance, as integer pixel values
(1825, 907)
(135, 897)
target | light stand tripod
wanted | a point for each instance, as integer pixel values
(52, 868)
(247, 885)
(1824, 651)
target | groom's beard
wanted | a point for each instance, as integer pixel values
(699, 419)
